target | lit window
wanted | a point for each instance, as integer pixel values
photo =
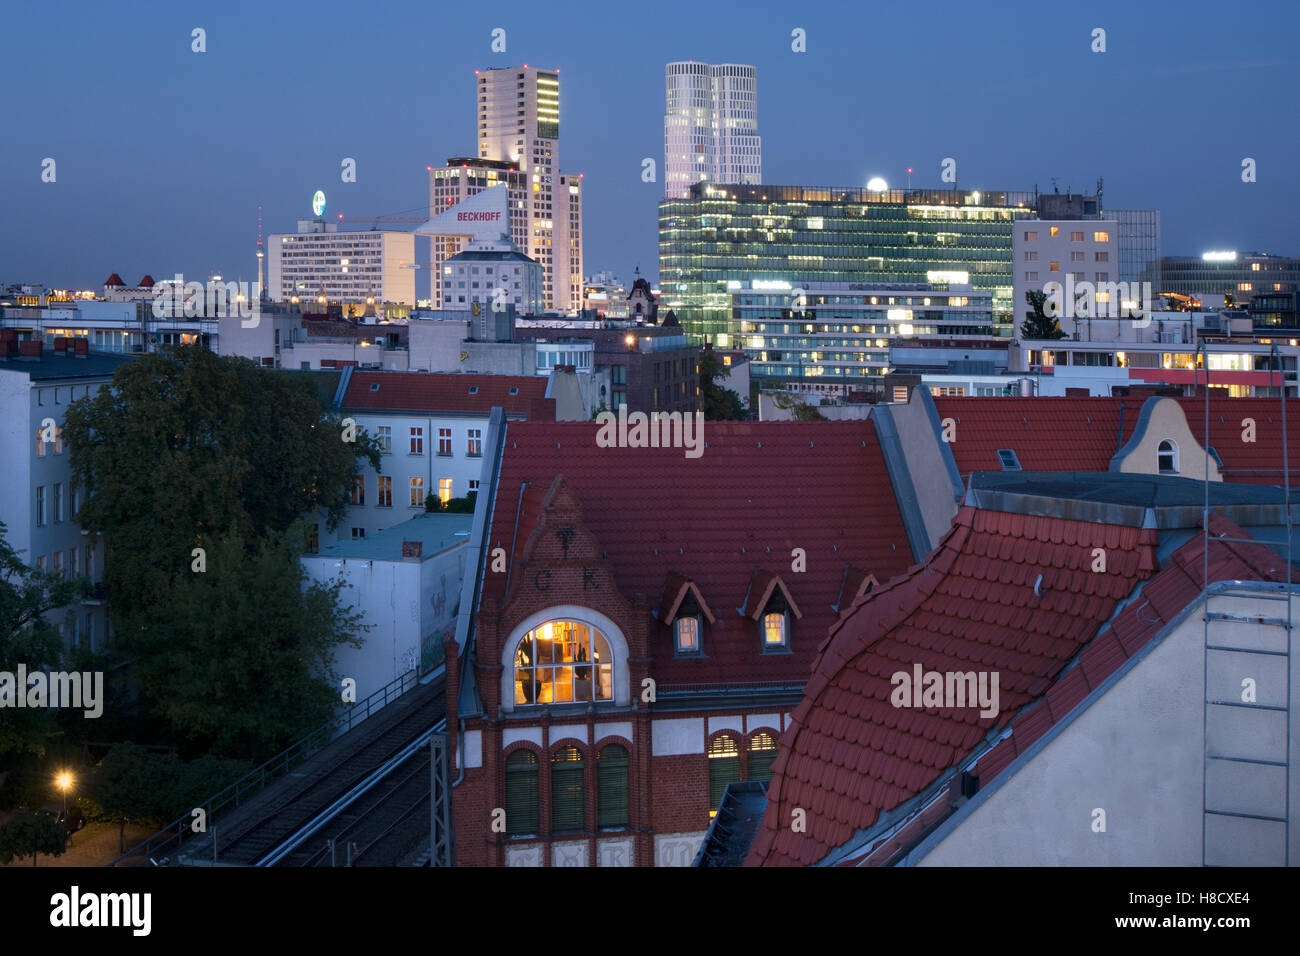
(444, 490)
(1167, 457)
(686, 631)
(1101, 237)
(563, 662)
(417, 492)
(775, 629)
(1053, 267)
(385, 491)
(475, 441)
(1054, 231)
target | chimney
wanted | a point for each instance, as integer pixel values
(60, 345)
(81, 347)
(30, 349)
(412, 549)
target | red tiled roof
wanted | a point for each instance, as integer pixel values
(1162, 599)
(1046, 433)
(758, 491)
(850, 755)
(114, 280)
(431, 392)
(1252, 463)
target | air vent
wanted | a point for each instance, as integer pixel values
(374, 387)
(473, 389)
(514, 389)
(1009, 460)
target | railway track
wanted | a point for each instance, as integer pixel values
(339, 795)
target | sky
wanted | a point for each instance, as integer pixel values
(163, 155)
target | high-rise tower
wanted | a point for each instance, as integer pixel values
(710, 126)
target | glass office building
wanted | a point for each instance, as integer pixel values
(811, 236)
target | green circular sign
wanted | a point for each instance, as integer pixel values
(318, 202)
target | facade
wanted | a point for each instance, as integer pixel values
(1048, 251)
(796, 237)
(489, 276)
(343, 267)
(431, 429)
(605, 295)
(421, 562)
(842, 333)
(710, 126)
(624, 662)
(518, 113)
(39, 506)
(1263, 284)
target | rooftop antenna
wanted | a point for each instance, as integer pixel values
(1055, 188)
(261, 287)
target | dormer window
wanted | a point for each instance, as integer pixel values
(1167, 457)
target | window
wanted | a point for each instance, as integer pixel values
(40, 506)
(1053, 267)
(40, 562)
(611, 787)
(58, 440)
(563, 662)
(1076, 257)
(1031, 237)
(417, 441)
(358, 533)
(476, 442)
(1101, 237)
(1101, 257)
(56, 503)
(40, 443)
(90, 561)
(521, 792)
(762, 754)
(358, 489)
(1031, 276)
(1167, 457)
(1031, 256)
(724, 768)
(444, 441)
(313, 543)
(74, 501)
(566, 789)
(1054, 231)
(385, 439)
(1076, 237)
(73, 555)
(473, 486)
(417, 492)
(58, 562)
(1008, 459)
(385, 491)
(686, 633)
(776, 629)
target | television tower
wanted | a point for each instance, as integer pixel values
(261, 253)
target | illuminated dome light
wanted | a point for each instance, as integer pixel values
(877, 185)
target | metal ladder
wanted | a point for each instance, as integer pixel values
(1246, 720)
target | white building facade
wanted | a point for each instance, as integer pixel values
(710, 126)
(342, 267)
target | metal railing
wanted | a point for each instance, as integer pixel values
(255, 781)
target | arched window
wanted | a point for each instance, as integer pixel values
(566, 789)
(724, 768)
(611, 787)
(1167, 457)
(521, 792)
(563, 662)
(762, 753)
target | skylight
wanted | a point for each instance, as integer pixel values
(1009, 460)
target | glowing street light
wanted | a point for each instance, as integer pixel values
(64, 781)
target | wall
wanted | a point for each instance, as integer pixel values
(1161, 419)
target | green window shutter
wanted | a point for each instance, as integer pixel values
(762, 754)
(611, 787)
(566, 789)
(724, 768)
(521, 792)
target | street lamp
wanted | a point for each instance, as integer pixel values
(64, 781)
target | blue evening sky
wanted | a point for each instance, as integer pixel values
(163, 155)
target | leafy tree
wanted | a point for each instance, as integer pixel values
(1038, 324)
(26, 637)
(29, 833)
(719, 403)
(131, 783)
(188, 450)
(460, 506)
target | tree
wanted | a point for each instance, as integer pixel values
(201, 470)
(130, 784)
(719, 404)
(1038, 324)
(459, 506)
(26, 637)
(29, 833)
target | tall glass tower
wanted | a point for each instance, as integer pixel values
(710, 126)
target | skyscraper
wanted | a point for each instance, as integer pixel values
(519, 129)
(710, 126)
